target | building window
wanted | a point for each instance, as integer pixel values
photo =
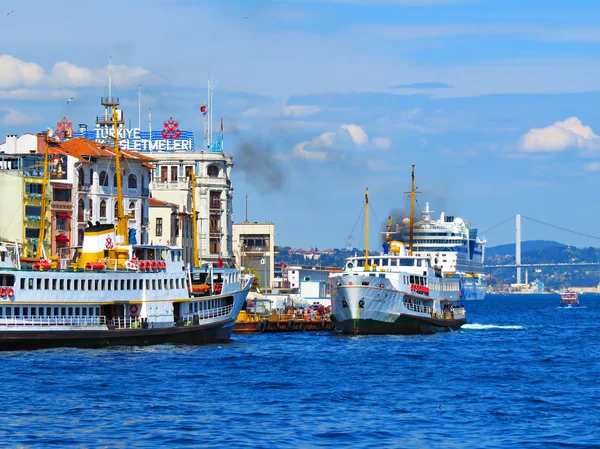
(132, 181)
(164, 174)
(188, 170)
(215, 199)
(132, 209)
(61, 195)
(103, 209)
(91, 176)
(116, 215)
(103, 179)
(33, 211)
(33, 188)
(159, 227)
(174, 170)
(91, 208)
(212, 171)
(81, 176)
(215, 245)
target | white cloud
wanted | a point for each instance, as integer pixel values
(15, 72)
(16, 118)
(332, 144)
(592, 166)
(383, 143)
(570, 133)
(300, 110)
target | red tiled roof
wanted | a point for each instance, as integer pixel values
(153, 202)
(80, 147)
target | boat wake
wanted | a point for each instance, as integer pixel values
(476, 326)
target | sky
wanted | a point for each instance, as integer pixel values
(495, 102)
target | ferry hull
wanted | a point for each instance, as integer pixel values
(404, 325)
(189, 335)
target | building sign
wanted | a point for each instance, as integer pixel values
(170, 138)
(58, 166)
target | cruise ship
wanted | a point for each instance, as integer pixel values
(452, 244)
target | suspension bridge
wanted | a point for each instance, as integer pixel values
(518, 264)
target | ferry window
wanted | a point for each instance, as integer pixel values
(76, 311)
(22, 283)
(91, 310)
(407, 262)
(122, 284)
(68, 284)
(33, 311)
(38, 284)
(30, 286)
(9, 312)
(153, 284)
(360, 263)
(84, 311)
(17, 311)
(25, 311)
(61, 284)
(377, 262)
(128, 284)
(147, 284)
(46, 284)
(412, 279)
(89, 284)
(96, 284)
(70, 311)
(135, 284)
(172, 283)
(2, 311)
(109, 284)
(48, 311)
(385, 262)
(56, 311)
(97, 310)
(53, 284)
(195, 307)
(103, 284)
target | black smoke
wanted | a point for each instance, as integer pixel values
(259, 162)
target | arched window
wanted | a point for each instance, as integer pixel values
(91, 176)
(103, 209)
(81, 176)
(104, 178)
(91, 208)
(132, 181)
(80, 207)
(115, 180)
(132, 209)
(116, 215)
(79, 237)
(212, 171)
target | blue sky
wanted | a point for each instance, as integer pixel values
(495, 102)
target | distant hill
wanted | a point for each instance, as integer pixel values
(527, 245)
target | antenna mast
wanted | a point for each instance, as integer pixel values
(194, 219)
(367, 230)
(412, 194)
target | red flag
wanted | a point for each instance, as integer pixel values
(203, 109)
(219, 262)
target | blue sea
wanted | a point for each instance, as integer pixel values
(522, 374)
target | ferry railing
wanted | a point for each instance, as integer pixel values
(419, 308)
(59, 320)
(191, 317)
(125, 323)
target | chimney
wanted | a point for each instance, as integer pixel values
(11, 144)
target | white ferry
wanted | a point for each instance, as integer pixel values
(110, 293)
(452, 244)
(394, 293)
(569, 299)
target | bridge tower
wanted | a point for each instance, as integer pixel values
(518, 247)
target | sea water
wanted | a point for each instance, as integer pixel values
(523, 373)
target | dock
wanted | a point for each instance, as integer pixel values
(252, 323)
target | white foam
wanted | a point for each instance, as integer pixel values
(488, 326)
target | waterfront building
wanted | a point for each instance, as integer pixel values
(170, 227)
(255, 247)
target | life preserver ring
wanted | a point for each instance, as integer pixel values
(10, 292)
(218, 288)
(163, 265)
(133, 309)
(350, 283)
(3, 292)
(153, 265)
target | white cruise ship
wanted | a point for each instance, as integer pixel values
(452, 244)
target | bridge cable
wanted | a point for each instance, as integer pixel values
(562, 229)
(499, 224)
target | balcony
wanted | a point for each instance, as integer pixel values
(182, 184)
(32, 218)
(84, 188)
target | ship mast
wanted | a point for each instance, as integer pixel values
(412, 213)
(194, 219)
(367, 230)
(41, 235)
(122, 220)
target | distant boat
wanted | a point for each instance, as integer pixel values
(569, 299)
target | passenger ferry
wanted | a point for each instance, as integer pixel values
(110, 293)
(569, 299)
(394, 293)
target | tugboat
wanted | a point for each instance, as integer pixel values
(569, 300)
(110, 293)
(394, 292)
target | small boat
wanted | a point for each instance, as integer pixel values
(394, 292)
(569, 299)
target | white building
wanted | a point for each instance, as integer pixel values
(255, 248)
